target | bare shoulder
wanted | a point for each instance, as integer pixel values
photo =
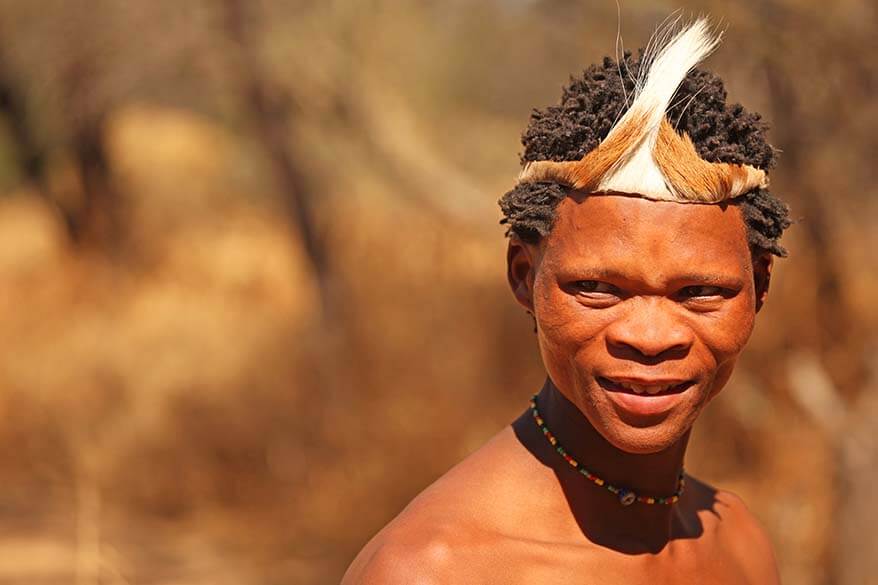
(444, 553)
(403, 556)
(446, 532)
(739, 532)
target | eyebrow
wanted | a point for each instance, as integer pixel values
(695, 277)
(708, 278)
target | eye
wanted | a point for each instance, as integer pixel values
(701, 291)
(595, 287)
(595, 294)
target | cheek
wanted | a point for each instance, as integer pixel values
(725, 341)
(733, 331)
(554, 327)
(565, 331)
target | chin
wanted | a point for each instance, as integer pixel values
(643, 441)
(633, 427)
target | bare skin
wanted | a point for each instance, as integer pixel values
(631, 298)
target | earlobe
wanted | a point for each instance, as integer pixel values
(520, 272)
(762, 266)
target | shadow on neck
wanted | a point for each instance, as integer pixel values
(635, 529)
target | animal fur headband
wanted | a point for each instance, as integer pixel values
(643, 154)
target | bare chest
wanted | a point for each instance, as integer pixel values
(517, 562)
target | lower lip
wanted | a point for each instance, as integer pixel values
(644, 404)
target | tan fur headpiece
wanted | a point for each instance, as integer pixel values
(643, 154)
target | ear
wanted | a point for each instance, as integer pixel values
(520, 271)
(762, 265)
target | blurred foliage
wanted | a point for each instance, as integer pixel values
(252, 288)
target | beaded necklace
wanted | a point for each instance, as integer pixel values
(625, 495)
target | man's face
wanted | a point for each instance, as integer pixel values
(642, 308)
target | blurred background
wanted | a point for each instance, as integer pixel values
(252, 285)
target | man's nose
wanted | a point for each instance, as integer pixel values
(651, 328)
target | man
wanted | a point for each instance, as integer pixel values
(641, 241)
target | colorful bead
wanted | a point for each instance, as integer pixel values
(626, 496)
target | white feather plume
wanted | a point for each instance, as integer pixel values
(666, 64)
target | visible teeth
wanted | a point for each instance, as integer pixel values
(643, 389)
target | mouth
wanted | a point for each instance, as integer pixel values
(644, 387)
(641, 400)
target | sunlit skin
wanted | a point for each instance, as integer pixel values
(627, 294)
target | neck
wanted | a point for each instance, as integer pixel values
(599, 514)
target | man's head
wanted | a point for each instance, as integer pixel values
(634, 296)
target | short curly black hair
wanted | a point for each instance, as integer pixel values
(589, 107)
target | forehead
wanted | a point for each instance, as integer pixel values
(621, 230)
